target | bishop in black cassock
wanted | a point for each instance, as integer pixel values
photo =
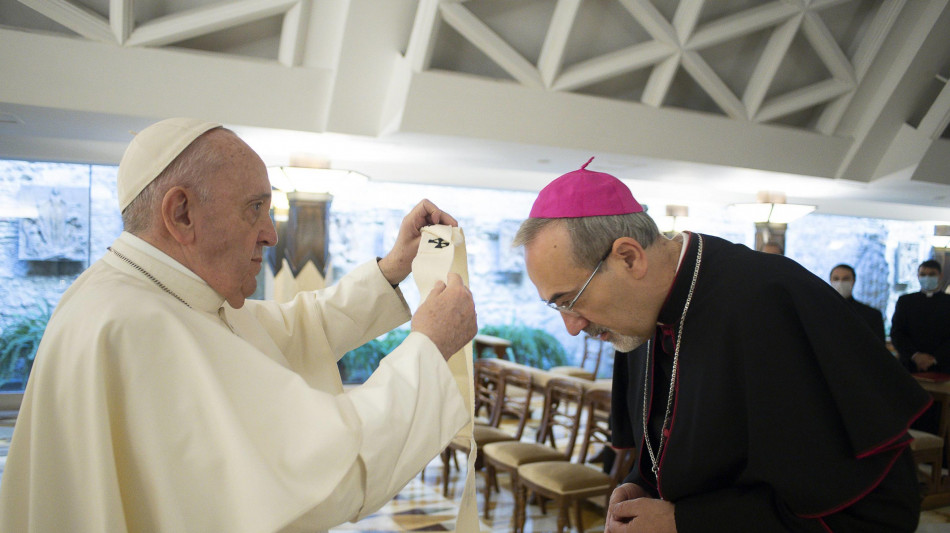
(756, 399)
(787, 415)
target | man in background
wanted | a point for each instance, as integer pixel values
(842, 278)
(162, 400)
(920, 328)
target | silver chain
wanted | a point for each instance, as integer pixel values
(676, 357)
(149, 276)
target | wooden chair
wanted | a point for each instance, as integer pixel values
(568, 483)
(927, 448)
(561, 413)
(487, 376)
(512, 397)
(593, 350)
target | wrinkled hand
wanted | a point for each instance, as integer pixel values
(447, 316)
(924, 360)
(632, 510)
(398, 262)
(627, 491)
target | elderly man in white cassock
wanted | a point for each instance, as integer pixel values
(162, 400)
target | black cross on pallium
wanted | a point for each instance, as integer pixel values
(439, 242)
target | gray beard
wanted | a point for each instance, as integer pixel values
(621, 343)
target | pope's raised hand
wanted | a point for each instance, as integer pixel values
(447, 316)
(398, 262)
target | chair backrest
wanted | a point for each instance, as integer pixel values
(487, 375)
(596, 424)
(593, 349)
(597, 433)
(562, 409)
(515, 394)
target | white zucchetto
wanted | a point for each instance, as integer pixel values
(153, 149)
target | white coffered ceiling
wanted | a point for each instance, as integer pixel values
(843, 104)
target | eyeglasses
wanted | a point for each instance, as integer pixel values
(569, 308)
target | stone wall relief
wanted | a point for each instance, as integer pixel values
(57, 226)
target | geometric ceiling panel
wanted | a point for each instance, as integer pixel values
(627, 87)
(258, 38)
(599, 28)
(270, 29)
(686, 93)
(505, 17)
(800, 67)
(732, 58)
(454, 52)
(17, 15)
(790, 62)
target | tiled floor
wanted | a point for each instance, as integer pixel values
(421, 506)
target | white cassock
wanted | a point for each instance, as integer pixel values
(144, 415)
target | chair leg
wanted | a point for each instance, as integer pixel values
(489, 475)
(562, 519)
(446, 466)
(935, 475)
(578, 516)
(521, 502)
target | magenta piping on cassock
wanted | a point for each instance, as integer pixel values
(676, 406)
(867, 491)
(640, 461)
(887, 444)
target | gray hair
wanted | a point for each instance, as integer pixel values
(187, 170)
(592, 237)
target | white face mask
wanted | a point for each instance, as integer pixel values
(843, 287)
(928, 283)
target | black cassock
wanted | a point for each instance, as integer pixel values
(872, 316)
(921, 323)
(789, 415)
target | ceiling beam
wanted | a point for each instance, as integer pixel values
(611, 65)
(506, 112)
(121, 19)
(146, 82)
(555, 41)
(77, 18)
(293, 35)
(661, 79)
(769, 63)
(486, 40)
(937, 118)
(742, 23)
(868, 49)
(686, 17)
(803, 98)
(422, 38)
(652, 21)
(204, 20)
(879, 107)
(818, 35)
(707, 78)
